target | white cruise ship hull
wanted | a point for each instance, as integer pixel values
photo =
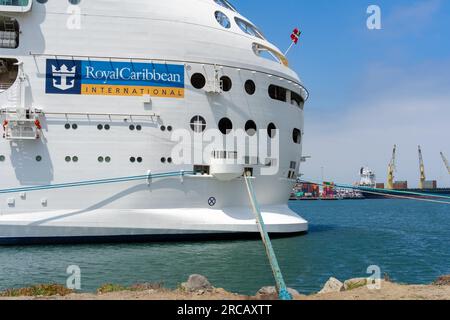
(106, 89)
(146, 225)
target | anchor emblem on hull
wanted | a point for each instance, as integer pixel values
(66, 77)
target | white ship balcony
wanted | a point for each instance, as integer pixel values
(225, 166)
(15, 5)
(21, 130)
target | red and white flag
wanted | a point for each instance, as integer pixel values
(295, 35)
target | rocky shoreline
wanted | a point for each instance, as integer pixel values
(198, 287)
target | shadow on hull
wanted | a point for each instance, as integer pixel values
(143, 239)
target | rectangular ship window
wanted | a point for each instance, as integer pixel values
(203, 170)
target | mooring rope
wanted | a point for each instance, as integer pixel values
(283, 292)
(84, 183)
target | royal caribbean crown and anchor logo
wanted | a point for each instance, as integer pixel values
(108, 78)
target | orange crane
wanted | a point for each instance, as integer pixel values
(422, 170)
(447, 165)
(391, 169)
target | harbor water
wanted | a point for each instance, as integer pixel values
(408, 240)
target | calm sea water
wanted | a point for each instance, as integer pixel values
(408, 240)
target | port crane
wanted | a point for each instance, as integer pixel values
(391, 169)
(422, 170)
(447, 165)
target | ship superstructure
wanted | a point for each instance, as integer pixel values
(94, 93)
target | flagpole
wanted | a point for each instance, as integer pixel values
(289, 49)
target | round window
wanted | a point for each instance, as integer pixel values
(225, 126)
(297, 136)
(223, 20)
(226, 83)
(198, 81)
(198, 124)
(250, 87)
(250, 128)
(271, 130)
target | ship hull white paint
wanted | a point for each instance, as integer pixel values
(138, 223)
(170, 32)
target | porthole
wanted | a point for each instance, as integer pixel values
(225, 126)
(108, 159)
(250, 128)
(139, 159)
(132, 159)
(138, 127)
(163, 160)
(297, 136)
(163, 128)
(198, 81)
(132, 127)
(74, 2)
(74, 126)
(2, 158)
(75, 159)
(68, 159)
(67, 126)
(198, 124)
(169, 160)
(169, 128)
(38, 158)
(278, 93)
(271, 130)
(226, 83)
(100, 159)
(297, 100)
(223, 20)
(107, 127)
(100, 127)
(250, 87)
(248, 28)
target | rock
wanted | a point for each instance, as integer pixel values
(355, 283)
(272, 291)
(332, 285)
(442, 281)
(196, 283)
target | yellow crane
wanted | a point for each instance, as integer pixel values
(447, 165)
(422, 170)
(391, 169)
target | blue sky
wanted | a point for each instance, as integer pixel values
(370, 89)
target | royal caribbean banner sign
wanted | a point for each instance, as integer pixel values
(108, 78)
